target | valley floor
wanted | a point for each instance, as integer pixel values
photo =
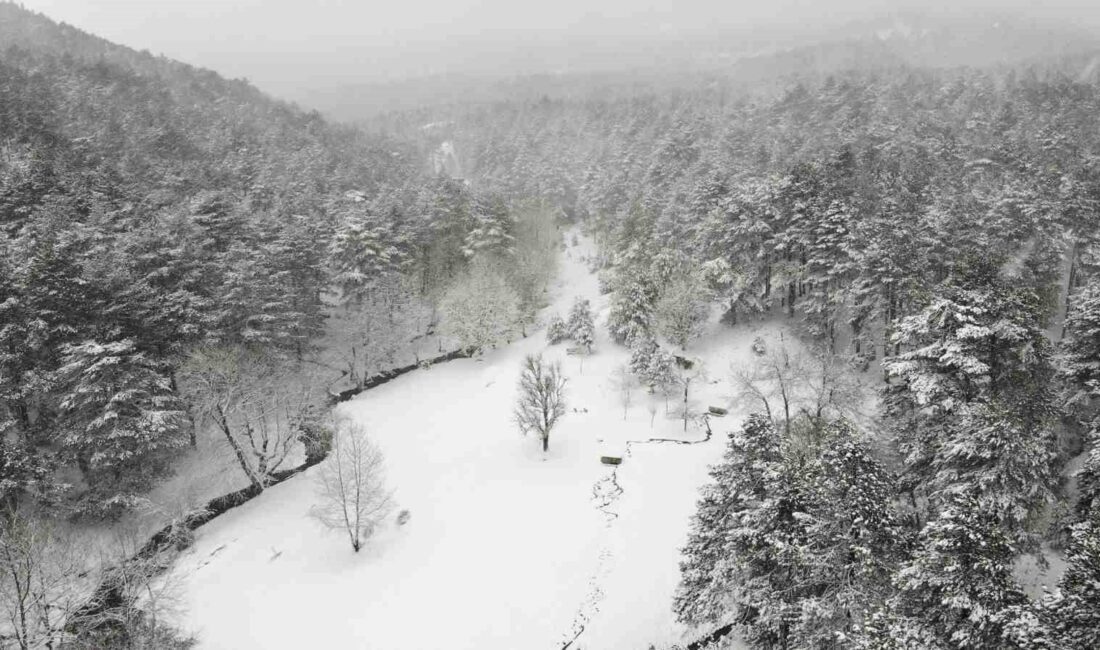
(506, 547)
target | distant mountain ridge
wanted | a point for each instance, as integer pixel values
(979, 39)
(739, 59)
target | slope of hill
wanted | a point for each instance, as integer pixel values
(147, 206)
(170, 129)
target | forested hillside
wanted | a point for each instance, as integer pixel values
(932, 226)
(888, 264)
(817, 189)
(156, 221)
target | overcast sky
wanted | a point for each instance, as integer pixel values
(277, 43)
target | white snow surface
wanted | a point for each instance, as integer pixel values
(506, 548)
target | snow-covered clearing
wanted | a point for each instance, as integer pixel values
(506, 548)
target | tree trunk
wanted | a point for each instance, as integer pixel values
(545, 443)
(687, 384)
(22, 413)
(1070, 281)
(223, 423)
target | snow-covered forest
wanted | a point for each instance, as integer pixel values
(797, 351)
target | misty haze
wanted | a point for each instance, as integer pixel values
(578, 325)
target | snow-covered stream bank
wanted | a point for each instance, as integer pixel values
(507, 547)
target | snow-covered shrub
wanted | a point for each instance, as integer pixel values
(314, 434)
(581, 327)
(556, 331)
(603, 282)
(585, 335)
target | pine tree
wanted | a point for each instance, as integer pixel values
(1088, 477)
(492, 232)
(363, 249)
(161, 301)
(854, 538)
(795, 541)
(556, 330)
(296, 259)
(652, 364)
(973, 409)
(121, 417)
(17, 359)
(60, 306)
(443, 207)
(642, 350)
(253, 308)
(1005, 462)
(580, 324)
(1075, 608)
(714, 561)
(1081, 350)
(959, 581)
(218, 222)
(632, 306)
(734, 245)
(828, 269)
(891, 267)
(24, 472)
(1071, 614)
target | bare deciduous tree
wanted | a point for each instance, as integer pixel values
(46, 580)
(624, 381)
(773, 378)
(145, 594)
(541, 398)
(255, 405)
(367, 336)
(40, 585)
(818, 386)
(830, 389)
(352, 485)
